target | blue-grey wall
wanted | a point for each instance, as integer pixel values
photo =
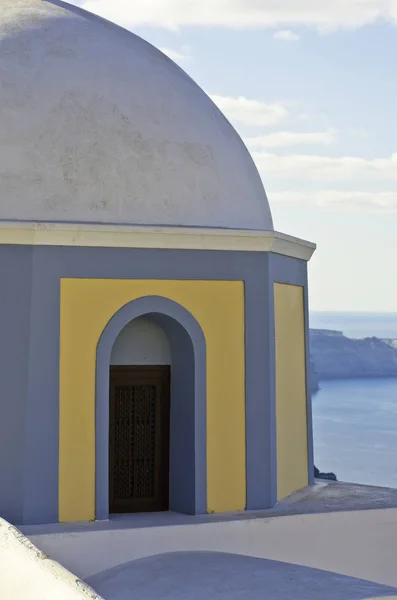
(15, 299)
(32, 487)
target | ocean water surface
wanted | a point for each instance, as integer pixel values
(355, 420)
(355, 430)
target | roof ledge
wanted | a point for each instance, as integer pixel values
(142, 236)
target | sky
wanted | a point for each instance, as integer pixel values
(311, 86)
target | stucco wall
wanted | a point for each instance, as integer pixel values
(15, 295)
(141, 342)
(31, 320)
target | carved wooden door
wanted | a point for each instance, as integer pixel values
(139, 434)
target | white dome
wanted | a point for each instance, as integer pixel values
(98, 126)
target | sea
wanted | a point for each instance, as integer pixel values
(355, 420)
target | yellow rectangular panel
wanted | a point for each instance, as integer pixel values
(87, 305)
(291, 410)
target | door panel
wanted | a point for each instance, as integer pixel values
(139, 431)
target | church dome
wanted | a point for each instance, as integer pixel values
(98, 126)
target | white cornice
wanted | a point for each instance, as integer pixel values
(177, 238)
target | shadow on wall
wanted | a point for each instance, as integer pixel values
(197, 575)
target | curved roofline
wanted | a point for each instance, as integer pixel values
(127, 32)
(85, 14)
(221, 205)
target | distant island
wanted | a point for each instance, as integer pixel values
(335, 356)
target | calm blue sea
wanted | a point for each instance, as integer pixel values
(355, 421)
(355, 430)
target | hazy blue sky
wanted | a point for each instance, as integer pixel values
(312, 88)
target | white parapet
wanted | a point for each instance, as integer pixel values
(29, 574)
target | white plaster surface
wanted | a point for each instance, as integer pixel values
(96, 125)
(141, 342)
(338, 542)
(208, 575)
(360, 544)
(26, 573)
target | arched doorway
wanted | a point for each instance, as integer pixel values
(178, 387)
(139, 419)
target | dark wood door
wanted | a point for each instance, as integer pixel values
(139, 435)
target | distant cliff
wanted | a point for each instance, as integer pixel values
(335, 356)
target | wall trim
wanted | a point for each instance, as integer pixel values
(126, 236)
